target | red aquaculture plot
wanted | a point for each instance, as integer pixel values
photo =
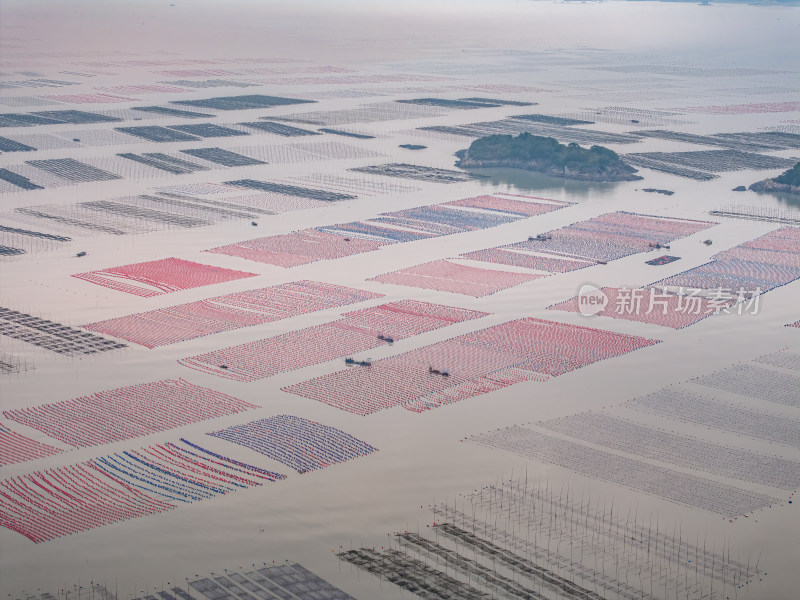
(447, 276)
(468, 365)
(298, 248)
(161, 276)
(128, 412)
(15, 448)
(48, 504)
(649, 305)
(355, 332)
(45, 505)
(225, 313)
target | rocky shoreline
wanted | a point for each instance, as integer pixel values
(770, 185)
(620, 173)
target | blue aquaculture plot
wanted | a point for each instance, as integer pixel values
(241, 102)
(298, 443)
(183, 473)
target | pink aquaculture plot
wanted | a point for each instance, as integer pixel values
(129, 412)
(226, 313)
(355, 332)
(468, 365)
(650, 305)
(15, 448)
(728, 283)
(298, 248)
(449, 276)
(346, 239)
(585, 243)
(576, 246)
(161, 276)
(45, 505)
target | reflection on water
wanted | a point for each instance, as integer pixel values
(529, 181)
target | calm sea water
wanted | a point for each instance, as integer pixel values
(570, 58)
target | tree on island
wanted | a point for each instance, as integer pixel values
(546, 155)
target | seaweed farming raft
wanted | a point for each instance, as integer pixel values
(526, 540)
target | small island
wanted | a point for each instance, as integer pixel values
(787, 182)
(546, 155)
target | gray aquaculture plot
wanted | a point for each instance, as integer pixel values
(462, 103)
(72, 170)
(54, 117)
(757, 382)
(783, 359)
(640, 160)
(655, 444)
(279, 129)
(528, 540)
(763, 141)
(688, 406)
(352, 134)
(7, 145)
(181, 133)
(689, 490)
(291, 190)
(770, 214)
(716, 161)
(164, 162)
(208, 130)
(52, 336)
(241, 102)
(515, 126)
(18, 181)
(15, 241)
(126, 216)
(226, 158)
(288, 581)
(172, 112)
(417, 172)
(10, 364)
(368, 113)
(552, 120)
(156, 133)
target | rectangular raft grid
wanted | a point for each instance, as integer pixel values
(678, 402)
(226, 313)
(15, 447)
(730, 282)
(158, 277)
(52, 336)
(682, 451)
(450, 276)
(689, 490)
(346, 239)
(468, 365)
(298, 443)
(355, 332)
(45, 505)
(128, 412)
(586, 243)
(758, 382)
